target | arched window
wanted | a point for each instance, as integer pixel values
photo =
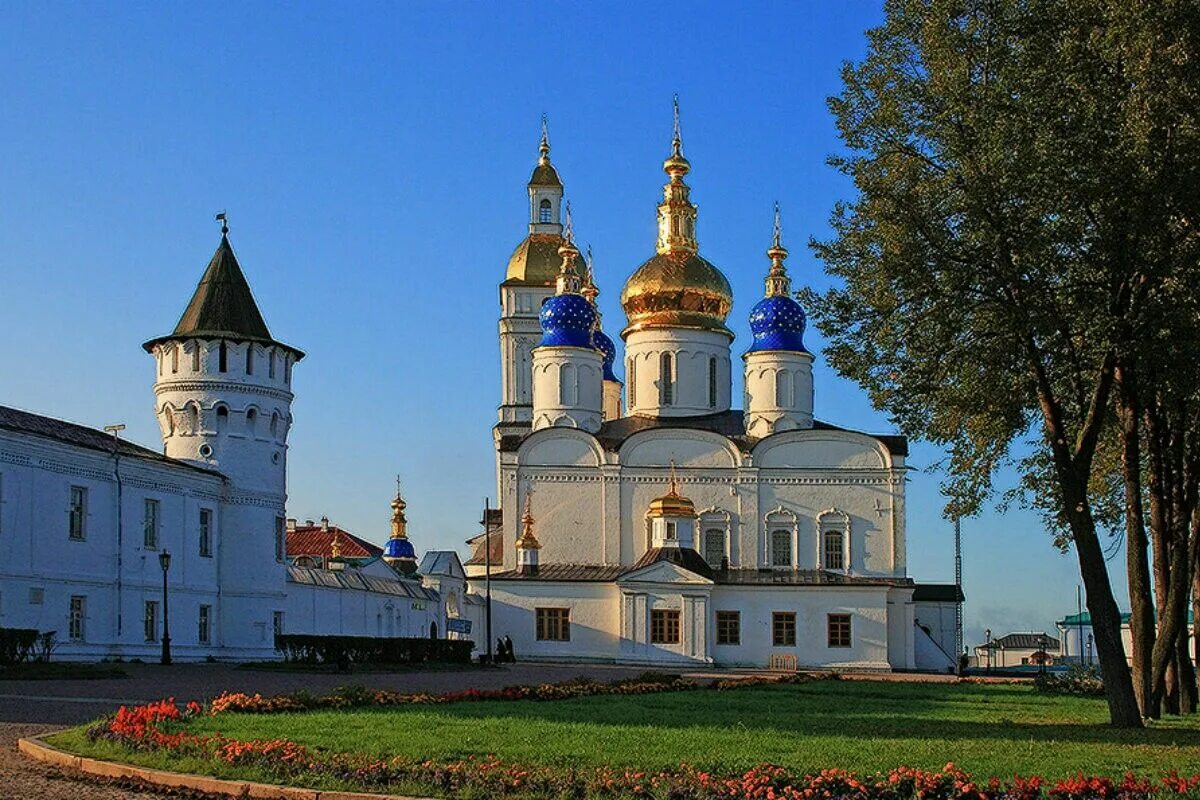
(222, 419)
(631, 370)
(174, 358)
(783, 389)
(544, 212)
(195, 356)
(568, 385)
(834, 549)
(223, 357)
(193, 413)
(251, 421)
(666, 384)
(249, 359)
(287, 369)
(712, 382)
(271, 362)
(714, 547)
(169, 419)
(274, 424)
(781, 548)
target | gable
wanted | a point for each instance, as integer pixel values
(664, 572)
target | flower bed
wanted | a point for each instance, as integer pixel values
(162, 726)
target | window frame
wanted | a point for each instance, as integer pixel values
(839, 630)
(545, 212)
(783, 628)
(728, 626)
(204, 536)
(784, 535)
(150, 620)
(709, 534)
(665, 627)
(552, 623)
(280, 540)
(150, 523)
(77, 618)
(204, 624)
(712, 381)
(838, 537)
(666, 380)
(77, 514)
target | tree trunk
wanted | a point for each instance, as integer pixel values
(1137, 561)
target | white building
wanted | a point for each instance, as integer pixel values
(682, 530)
(85, 516)
(1078, 643)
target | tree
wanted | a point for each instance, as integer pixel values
(1011, 159)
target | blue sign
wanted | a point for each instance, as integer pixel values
(458, 625)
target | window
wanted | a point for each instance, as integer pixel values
(223, 357)
(271, 362)
(712, 382)
(544, 212)
(274, 424)
(280, 539)
(781, 548)
(632, 371)
(553, 624)
(174, 358)
(222, 419)
(568, 386)
(150, 621)
(729, 627)
(77, 618)
(671, 531)
(835, 556)
(251, 422)
(277, 623)
(666, 389)
(37, 595)
(78, 514)
(783, 629)
(287, 369)
(150, 525)
(838, 626)
(249, 359)
(206, 532)
(204, 629)
(783, 389)
(714, 547)
(664, 626)
(195, 356)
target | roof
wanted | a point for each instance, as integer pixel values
(313, 540)
(479, 557)
(730, 424)
(222, 305)
(804, 577)
(684, 557)
(12, 419)
(689, 559)
(566, 572)
(938, 593)
(1033, 640)
(1085, 619)
(535, 261)
(441, 562)
(544, 174)
(352, 579)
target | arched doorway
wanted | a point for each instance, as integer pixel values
(433, 630)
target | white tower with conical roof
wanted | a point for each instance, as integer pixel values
(223, 397)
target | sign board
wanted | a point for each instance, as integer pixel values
(458, 625)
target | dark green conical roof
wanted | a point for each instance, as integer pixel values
(223, 306)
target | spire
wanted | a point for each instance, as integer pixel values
(676, 214)
(674, 483)
(568, 276)
(544, 147)
(399, 522)
(544, 173)
(527, 540)
(590, 290)
(778, 282)
(222, 304)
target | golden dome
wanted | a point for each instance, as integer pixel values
(536, 260)
(672, 504)
(677, 290)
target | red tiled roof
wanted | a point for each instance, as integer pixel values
(312, 540)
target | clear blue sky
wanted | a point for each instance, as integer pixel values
(373, 161)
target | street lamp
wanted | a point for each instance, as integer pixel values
(1089, 647)
(1043, 656)
(987, 634)
(164, 560)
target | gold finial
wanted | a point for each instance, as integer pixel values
(527, 540)
(568, 277)
(778, 282)
(399, 521)
(590, 290)
(544, 146)
(676, 214)
(674, 490)
(223, 218)
(677, 137)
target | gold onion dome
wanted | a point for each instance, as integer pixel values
(672, 504)
(536, 260)
(677, 287)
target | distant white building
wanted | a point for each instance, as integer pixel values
(1019, 649)
(85, 516)
(1078, 644)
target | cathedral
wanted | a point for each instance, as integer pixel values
(648, 520)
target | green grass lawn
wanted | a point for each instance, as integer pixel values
(865, 726)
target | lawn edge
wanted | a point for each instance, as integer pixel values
(34, 747)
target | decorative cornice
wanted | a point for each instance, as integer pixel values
(203, 385)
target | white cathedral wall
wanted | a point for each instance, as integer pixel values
(329, 611)
(691, 351)
(594, 620)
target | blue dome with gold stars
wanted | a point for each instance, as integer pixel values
(602, 342)
(399, 548)
(567, 321)
(778, 323)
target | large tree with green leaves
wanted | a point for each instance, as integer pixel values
(1015, 161)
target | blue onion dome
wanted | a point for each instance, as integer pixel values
(399, 548)
(602, 342)
(777, 321)
(567, 321)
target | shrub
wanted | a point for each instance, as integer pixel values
(1077, 680)
(17, 644)
(342, 650)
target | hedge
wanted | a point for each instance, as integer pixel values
(312, 649)
(17, 644)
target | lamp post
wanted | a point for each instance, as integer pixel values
(1043, 656)
(987, 634)
(1089, 648)
(164, 560)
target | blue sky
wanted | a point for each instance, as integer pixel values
(372, 159)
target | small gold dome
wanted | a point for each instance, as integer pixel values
(672, 504)
(678, 290)
(536, 260)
